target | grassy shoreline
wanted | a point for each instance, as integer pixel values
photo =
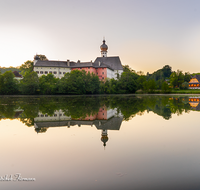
(139, 92)
(173, 91)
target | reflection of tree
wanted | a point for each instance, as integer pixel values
(79, 107)
(41, 130)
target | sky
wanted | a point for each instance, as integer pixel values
(145, 34)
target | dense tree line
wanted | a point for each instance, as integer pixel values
(80, 82)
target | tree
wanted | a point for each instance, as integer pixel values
(27, 67)
(29, 84)
(167, 71)
(126, 68)
(42, 57)
(127, 82)
(184, 86)
(187, 77)
(140, 82)
(48, 84)
(180, 78)
(165, 87)
(152, 85)
(174, 79)
(8, 85)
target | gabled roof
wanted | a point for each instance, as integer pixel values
(195, 77)
(112, 62)
(81, 64)
(48, 63)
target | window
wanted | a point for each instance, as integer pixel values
(55, 115)
(63, 73)
(80, 68)
(42, 115)
(88, 67)
(60, 114)
(60, 73)
(103, 68)
(41, 72)
(54, 72)
(50, 71)
(46, 115)
(37, 72)
(103, 73)
(97, 73)
(46, 72)
(102, 77)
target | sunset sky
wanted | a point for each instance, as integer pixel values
(145, 34)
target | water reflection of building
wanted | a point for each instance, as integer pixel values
(194, 103)
(104, 120)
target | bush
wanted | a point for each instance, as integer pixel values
(184, 86)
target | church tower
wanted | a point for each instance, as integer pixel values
(104, 49)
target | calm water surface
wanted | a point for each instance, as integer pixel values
(93, 143)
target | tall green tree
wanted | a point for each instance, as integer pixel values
(174, 80)
(27, 67)
(8, 84)
(29, 84)
(48, 84)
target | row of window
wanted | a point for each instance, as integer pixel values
(55, 115)
(89, 68)
(193, 85)
(50, 68)
(194, 100)
(46, 72)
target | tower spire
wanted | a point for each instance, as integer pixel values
(104, 48)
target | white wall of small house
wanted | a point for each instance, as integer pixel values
(58, 72)
(194, 88)
(57, 116)
(110, 73)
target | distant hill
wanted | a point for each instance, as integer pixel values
(4, 69)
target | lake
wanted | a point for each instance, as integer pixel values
(100, 142)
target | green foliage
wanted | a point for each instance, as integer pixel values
(48, 84)
(187, 77)
(126, 68)
(165, 87)
(4, 69)
(184, 86)
(176, 79)
(79, 82)
(161, 74)
(29, 84)
(8, 85)
(27, 67)
(42, 57)
(140, 82)
(149, 86)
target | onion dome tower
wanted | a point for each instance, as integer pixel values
(104, 49)
(104, 137)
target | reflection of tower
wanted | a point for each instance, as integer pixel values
(104, 137)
